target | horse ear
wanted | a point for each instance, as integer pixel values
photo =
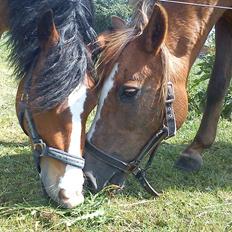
(155, 32)
(118, 23)
(47, 32)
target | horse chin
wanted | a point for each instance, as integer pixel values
(99, 175)
(72, 202)
(65, 196)
(95, 185)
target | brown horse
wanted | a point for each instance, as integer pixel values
(137, 63)
(3, 16)
(55, 93)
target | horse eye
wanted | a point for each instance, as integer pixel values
(128, 92)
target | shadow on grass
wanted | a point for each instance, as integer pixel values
(13, 144)
(215, 175)
(19, 180)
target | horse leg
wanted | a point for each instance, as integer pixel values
(191, 159)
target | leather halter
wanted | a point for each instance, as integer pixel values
(39, 147)
(148, 150)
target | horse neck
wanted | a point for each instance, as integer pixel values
(188, 30)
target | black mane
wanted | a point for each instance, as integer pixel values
(67, 63)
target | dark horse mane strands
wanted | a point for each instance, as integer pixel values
(67, 62)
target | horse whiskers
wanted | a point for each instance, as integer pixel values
(53, 193)
(53, 189)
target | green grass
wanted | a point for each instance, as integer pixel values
(200, 201)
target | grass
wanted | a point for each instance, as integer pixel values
(199, 201)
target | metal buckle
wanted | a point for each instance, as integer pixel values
(171, 96)
(133, 167)
(39, 147)
(170, 84)
(171, 100)
(136, 170)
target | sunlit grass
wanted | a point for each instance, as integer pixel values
(200, 201)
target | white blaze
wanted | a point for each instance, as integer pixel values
(76, 103)
(73, 180)
(108, 85)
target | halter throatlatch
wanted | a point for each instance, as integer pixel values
(39, 147)
(134, 167)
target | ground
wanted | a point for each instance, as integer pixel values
(199, 201)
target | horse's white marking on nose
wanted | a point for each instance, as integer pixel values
(108, 85)
(73, 180)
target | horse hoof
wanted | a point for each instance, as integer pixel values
(189, 163)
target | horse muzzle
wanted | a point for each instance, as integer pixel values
(98, 175)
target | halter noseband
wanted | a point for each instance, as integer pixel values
(148, 150)
(39, 147)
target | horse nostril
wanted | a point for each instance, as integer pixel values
(63, 195)
(70, 199)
